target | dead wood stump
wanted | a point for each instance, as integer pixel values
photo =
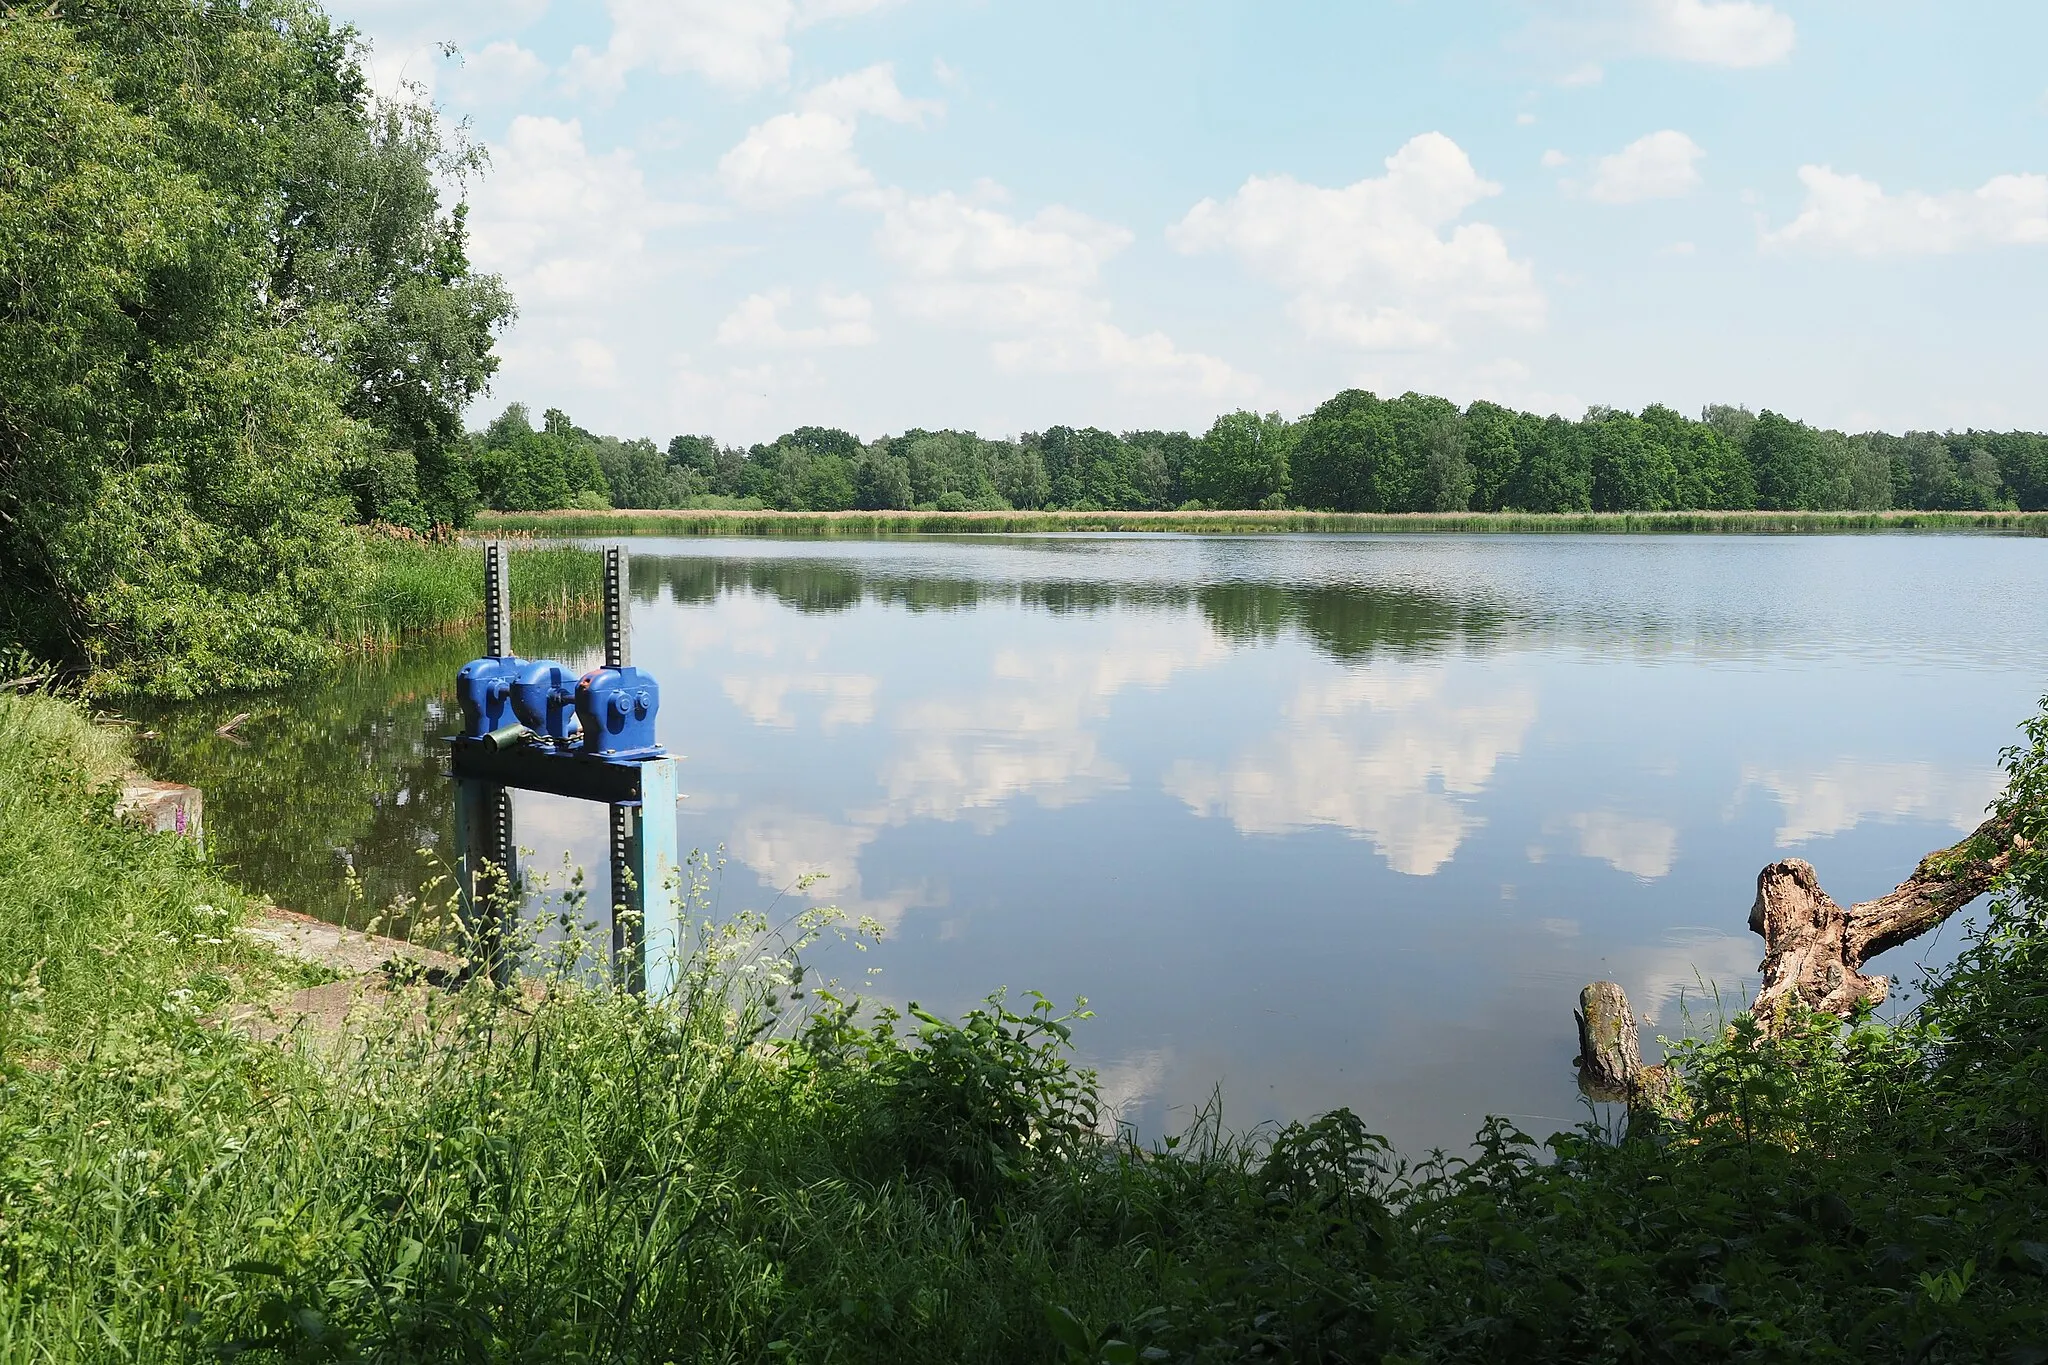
(1814, 949)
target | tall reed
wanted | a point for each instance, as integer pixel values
(414, 586)
(717, 522)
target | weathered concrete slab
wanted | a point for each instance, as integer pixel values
(348, 951)
(166, 807)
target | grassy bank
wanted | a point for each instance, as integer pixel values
(718, 522)
(749, 1173)
(415, 586)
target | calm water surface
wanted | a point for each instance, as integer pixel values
(1315, 820)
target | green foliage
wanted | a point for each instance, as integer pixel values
(1094, 469)
(1354, 453)
(234, 320)
(1343, 453)
(519, 469)
(101, 925)
(1241, 462)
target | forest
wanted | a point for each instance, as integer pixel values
(1355, 453)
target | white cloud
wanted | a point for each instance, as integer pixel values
(1553, 158)
(966, 257)
(1716, 32)
(1851, 215)
(1661, 165)
(1578, 36)
(871, 90)
(566, 226)
(1032, 730)
(740, 398)
(1712, 971)
(821, 11)
(782, 846)
(405, 37)
(757, 322)
(740, 45)
(1392, 777)
(500, 73)
(594, 362)
(1034, 283)
(1376, 264)
(1626, 843)
(790, 157)
(1849, 791)
(809, 150)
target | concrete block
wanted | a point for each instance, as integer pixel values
(166, 807)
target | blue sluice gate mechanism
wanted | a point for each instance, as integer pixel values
(532, 725)
(544, 699)
(617, 707)
(483, 689)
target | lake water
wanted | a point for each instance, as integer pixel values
(1316, 820)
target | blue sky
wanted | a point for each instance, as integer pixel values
(740, 216)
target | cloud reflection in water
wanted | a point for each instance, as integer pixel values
(1387, 753)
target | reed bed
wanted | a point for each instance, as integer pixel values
(416, 585)
(729, 522)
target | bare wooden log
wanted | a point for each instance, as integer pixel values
(1814, 949)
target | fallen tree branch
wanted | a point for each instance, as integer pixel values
(1814, 949)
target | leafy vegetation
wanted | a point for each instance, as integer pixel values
(1354, 454)
(415, 585)
(756, 1171)
(234, 318)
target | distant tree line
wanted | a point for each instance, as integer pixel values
(1355, 453)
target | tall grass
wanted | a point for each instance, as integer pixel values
(99, 922)
(725, 522)
(415, 586)
(750, 1171)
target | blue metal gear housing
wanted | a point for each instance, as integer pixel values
(544, 699)
(484, 690)
(617, 707)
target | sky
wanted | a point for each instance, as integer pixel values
(735, 217)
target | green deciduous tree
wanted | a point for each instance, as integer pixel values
(172, 435)
(1789, 463)
(1241, 462)
(1493, 449)
(1557, 468)
(1343, 455)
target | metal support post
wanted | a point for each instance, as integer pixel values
(497, 602)
(488, 874)
(647, 923)
(618, 638)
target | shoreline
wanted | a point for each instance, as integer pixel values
(741, 522)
